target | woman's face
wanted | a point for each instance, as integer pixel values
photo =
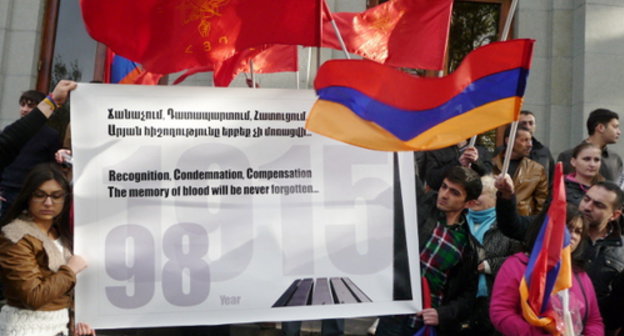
(46, 202)
(587, 162)
(575, 227)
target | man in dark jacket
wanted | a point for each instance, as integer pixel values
(39, 148)
(13, 138)
(539, 153)
(604, 247)
(447, 256)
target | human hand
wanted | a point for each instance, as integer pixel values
(83, 329)
(505, 186)
(429, 316)
(61, 91)
(468, 156)
(76, 263)
(61, 155)
(251, 84)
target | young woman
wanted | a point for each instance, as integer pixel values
(505, 310)
(37, 268)
(586, 163)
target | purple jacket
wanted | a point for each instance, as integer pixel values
(505, 311)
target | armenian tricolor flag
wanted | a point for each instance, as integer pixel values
(374, 106)
(120, 70)
(549, 269)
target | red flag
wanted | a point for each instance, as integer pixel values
(266, 59)
(168, 36)
(400, 33)
(276, 58)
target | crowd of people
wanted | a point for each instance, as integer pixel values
(476, 227)
(479, 237)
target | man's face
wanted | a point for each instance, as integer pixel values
(26, 106)
(522, 145)
(597, 207)
(528, 121)
(611, 131)
(451, 197)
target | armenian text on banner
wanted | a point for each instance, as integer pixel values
(208, 206)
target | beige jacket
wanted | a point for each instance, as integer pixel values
(530, 185)
(32, 269)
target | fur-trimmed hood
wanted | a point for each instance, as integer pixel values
(20, 227)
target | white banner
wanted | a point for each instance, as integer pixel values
(209, 206)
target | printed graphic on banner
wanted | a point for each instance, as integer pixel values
(209, 206)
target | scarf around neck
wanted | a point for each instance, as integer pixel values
(480, 222)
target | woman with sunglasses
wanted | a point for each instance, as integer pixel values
(37, 268)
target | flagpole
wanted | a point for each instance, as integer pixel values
(510, 15)
(320, 32)
(297, 78)
(567, 316)
(253, 75)
(514, 125)
(336, 31)
(510, 144)
(308, 68)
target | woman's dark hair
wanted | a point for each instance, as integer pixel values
(36, 177)
(572, 215)
(581, 147)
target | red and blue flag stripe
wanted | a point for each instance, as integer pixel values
(550, 268)
(375, 106)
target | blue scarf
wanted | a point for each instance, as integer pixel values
(479, 223)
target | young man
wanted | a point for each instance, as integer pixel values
(529, 177)
(15, 136)
(603, 127)
(447, 257)
(40, 148)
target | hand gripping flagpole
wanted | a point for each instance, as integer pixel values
(514, 127)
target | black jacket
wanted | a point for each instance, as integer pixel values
(17, 134)
(605, 264)
(432, 165)
(510, 223)
(541, 154)
(495, 249)
(574, 192)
